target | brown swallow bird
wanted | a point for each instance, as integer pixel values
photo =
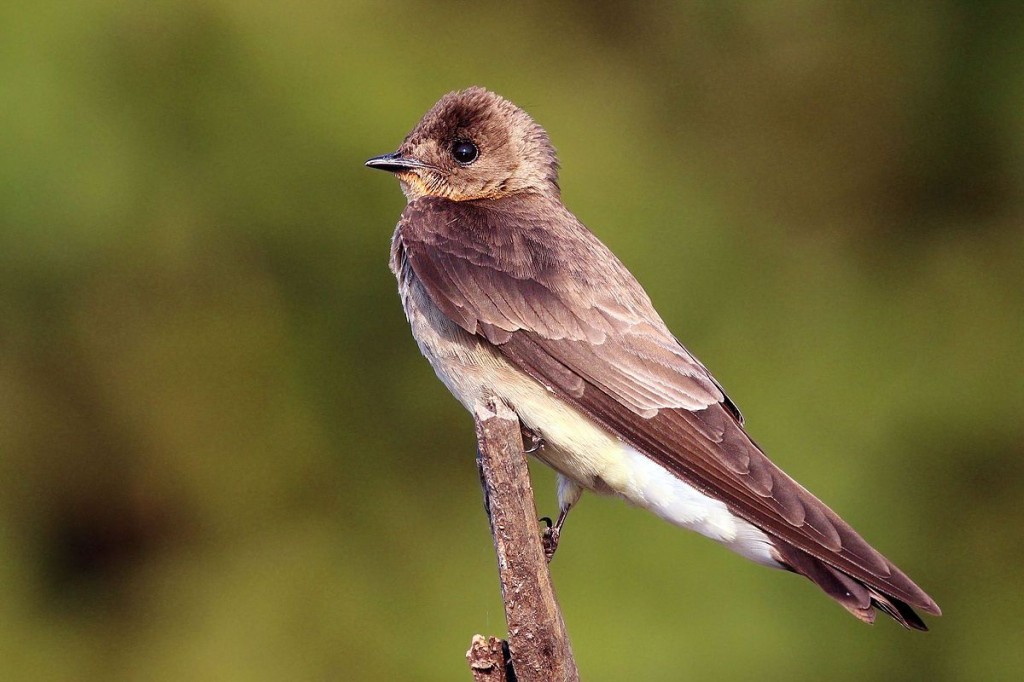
(510, 296)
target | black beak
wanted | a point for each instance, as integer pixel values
(395, 163)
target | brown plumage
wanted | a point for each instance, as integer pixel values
(501, 282)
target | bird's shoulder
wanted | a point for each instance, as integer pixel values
(531, 237)
(520, 263)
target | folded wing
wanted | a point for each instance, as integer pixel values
(569, 314)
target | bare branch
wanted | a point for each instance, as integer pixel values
(537, 640)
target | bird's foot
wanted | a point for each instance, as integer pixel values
(549, 538)
(532, 440)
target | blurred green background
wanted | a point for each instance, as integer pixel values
(222, 457)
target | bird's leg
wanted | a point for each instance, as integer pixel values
(569, 492)
(533, 441)
(549, 538)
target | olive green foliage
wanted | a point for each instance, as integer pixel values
(222, 457)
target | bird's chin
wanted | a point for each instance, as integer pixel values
(412, 184)
(416, 184)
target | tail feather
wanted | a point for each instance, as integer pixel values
(852, 594)
(900, 611)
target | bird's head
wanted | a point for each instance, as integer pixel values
(473, 144)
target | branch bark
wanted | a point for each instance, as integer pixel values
(489, 661)
(537, 639)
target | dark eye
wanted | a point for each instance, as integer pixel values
(465, 152)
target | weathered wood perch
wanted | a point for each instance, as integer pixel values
(538, 645)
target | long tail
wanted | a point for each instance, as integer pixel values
(854, 595)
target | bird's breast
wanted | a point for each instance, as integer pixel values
(472, 369)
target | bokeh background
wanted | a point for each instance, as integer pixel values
(222, 458)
